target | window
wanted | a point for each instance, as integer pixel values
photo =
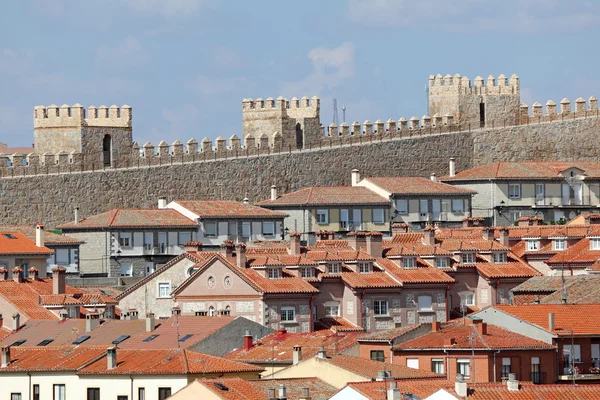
(164, 289)
(467, 298)
(595, 243)
(412, 363)
(125, 239)
(148, 241)
(183, 238)
(535, 370)
(335, 268)
(442, 262)
(458, 206)
(424, 303)
(378, 215)
(514, 190)
(533, 245)
(288, 314)
(468, 258)
(122, 397)
(499, 258)
(402, 206)
(322, 216)
(268, 228)
(126, 270)
(437, 365)
(505, 367)
(163, 393)
(378, 355)
(59, 392)
(273, 273)
(408, 262)
(61, 256)
(246, 229)
(364, 268)
(332, 309)
(306, 272)
(559, 244)
(514, 216)
(211, 311)
(463, 367)
(15, 396)
(423, 206)
(226, 311)
(141, 393)
(210, 229)
(36, 392)
(381, 307)
(149, 268)
(500, 296)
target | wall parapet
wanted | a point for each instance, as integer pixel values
(463, 85)
(582, 109)
(75, 116)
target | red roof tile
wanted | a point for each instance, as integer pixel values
(417, 185)
(228, 209)
(370, 368)
(50, 358)
(328, 196)
(525, 170)
(50, 238)
(132, 218)
(423, 273)
(579, 253)
(388, 334)
(337, 324)
(16, 243)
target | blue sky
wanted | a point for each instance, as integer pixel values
(185, 65)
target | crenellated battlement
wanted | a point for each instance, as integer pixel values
(582, 108)
(463, 85)
(75, 116)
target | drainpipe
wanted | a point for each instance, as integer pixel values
(29, 388)
(310, 314)
(495, 365)
(391, 352)
(447, 309)
(131, 378)
(447, 364)
(362, 316)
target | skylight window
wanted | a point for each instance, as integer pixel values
(45, 342)
(150, 338)
(81, 339)
(120, 339)
(18, 343)
(9, 235)
(186, 337)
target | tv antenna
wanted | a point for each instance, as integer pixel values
(336, 120)
(344, 113)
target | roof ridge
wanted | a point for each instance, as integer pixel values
(186, 367)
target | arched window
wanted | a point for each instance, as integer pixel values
(107, 150)
(211, 311)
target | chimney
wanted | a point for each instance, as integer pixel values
(273, 193)
(355, 177)
(16, 321)
(241, 255)
(383, 375)
(467, 222)
(17, 274)
(436, 326)
(356, 240)
(3, 274)
(551, 321)
(150, 322)
(297, 355)
(282, 392)
(5, 357)
(271, 394)
(429, 238)
(92, 320)
(295, 248)
(162, 202)
(248, 340)
(1, 321)
(192, 246)
(76, 215)
(246, 201)
(111, 358)
(322, 353)
(58, 280)
(393, 393)
(305, 394)
(488, 233)
(34, 274)
(452, 167)
(399, 227)
(227, 248)
(512, 384)
(39, 235)
(433, 177)
(523, 221)
(130, 315)
(481, 328)
(460, 386)
(504, 236)
(375, 244)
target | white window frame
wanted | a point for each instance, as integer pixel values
(266, 231)
(335, 268)
(181, 238)
(273, 273)
(467, 298)
(435, 363)
(514, 215)
(533, 244)
(130, 269)
(595, 243)
(288, 314)
(62, 260)
(499, 257)
(514, 190)
(422, 303)
(558, 247)
(246, 229)
(409, 262)
(464, 362)
(211, 228)
(442, 262)
(380, 307)
(378, 216)
(506, 366)
(306, 272)
(468, 258)
(331, 306)
(57, 393)
(125, 240)
(163, 287)
(364, 267)
(402, 206)
(322, 217)
(458, 206)
(148, 241)
(412, 363)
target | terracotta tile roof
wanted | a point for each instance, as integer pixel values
(579, 253)
(423, 273)
(328, 196)
(16, 243)
(132, 218)
(370, 368)
(388, 334)
(282, 344)
(228, 209)
(280, 259)
(581, 289)
(525, 170)
(338, 254)
(580, 318)
(495, 338)
(514, 269)
(373, 279)
(335, 243)
(52, 358)
(417, 185)
(416, 248)
(4, 333)
(25, 298)
(337, 324)
(481, 245)
(319, 390)
(50, 238)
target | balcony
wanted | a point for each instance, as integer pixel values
(586, 370)
(562, 202)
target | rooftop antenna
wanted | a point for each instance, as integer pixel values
(344, 113)
(336, 120)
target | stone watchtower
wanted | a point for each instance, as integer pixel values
(294, 123)
(495, 103)
(100, 136)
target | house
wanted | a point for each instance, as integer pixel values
(95, 372)
(264, 389)
(127, 242)
(572, 328)
(17, 250)
(222, 220)
(379, 345)
(417, 201)
(507, 191)
(338, 209)
(576, 289)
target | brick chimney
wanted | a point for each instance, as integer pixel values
(356, 240)
(241, 255)
(111, 358)
(59, 280)
(3, 274)
(488, 233)
(295, 248)
(399, 227)
(192, 246)
(436, 326)
(355, 177)
(39, 235)
(92, 320)
(375, 244)
(481, 327)
(17, 274)
(248, 340)
(504, 241)
(150, 322)
(5, 358)
(34, 274)
(273, 193)
(227, 248)
(297, 355)
(429, 236)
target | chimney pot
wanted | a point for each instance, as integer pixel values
(39, 235)
(58, 280)
(192, 246)
(241, 255)
(16, 321)
(452, 167)
(5, 357)
(429, 237)
(295, 248)
(322, 353)
(3, 274)
(399, 227)
(248, 340)
(111, 357)
(273, 193)
(34, 274)
(92, 320)
(297, 355)
(76, 215)
(460, 386)
(512, 384)
(433, 177)
(551, 321)
(355, 177)
(282, 392)
(17, 274)
(162, 202)
(246, 201)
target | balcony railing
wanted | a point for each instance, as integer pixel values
(563, 201)
(585, 369)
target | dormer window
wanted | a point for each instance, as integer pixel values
(274, 273)
(364, 267)
(306, 272)
(559, 244)
(442, 262)
(335, 268)
(468, 258)
(409, 263)
(533, 245)
(595, 243)
(499, 257)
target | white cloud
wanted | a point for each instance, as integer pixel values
(167, 8)
(209, 86)
(127, 53)
(331, 67)
(179, 119)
